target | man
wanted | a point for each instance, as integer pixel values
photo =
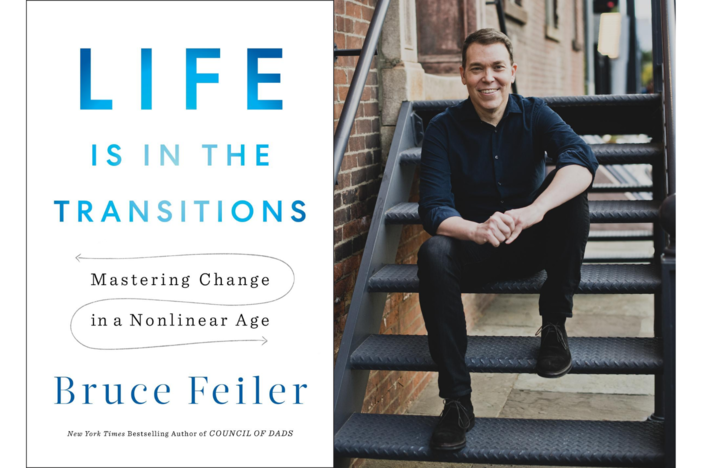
(494, 215)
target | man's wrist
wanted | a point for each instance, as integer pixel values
(470, 230)
(539, 207)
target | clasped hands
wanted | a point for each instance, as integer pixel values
(506, 227)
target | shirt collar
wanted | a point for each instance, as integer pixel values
(468, 111)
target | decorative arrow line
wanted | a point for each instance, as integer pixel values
(79, 258)
(163, 346)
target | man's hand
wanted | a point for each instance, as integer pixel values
(498, 228)
(524, 218)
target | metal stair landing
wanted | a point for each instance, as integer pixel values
(507, 441)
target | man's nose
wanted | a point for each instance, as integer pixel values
(488, 76)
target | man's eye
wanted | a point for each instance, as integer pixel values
(475, 69)
(499, 67)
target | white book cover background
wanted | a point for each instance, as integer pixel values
(292, 350)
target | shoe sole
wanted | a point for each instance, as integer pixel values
(555, 375)
(453, 448)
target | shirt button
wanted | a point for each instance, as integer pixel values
(495, 156)
(499, 183)
(502, 201)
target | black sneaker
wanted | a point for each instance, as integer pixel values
(456, 419)
(554, 355)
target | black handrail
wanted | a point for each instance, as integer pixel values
(348, 52)
(353, 98)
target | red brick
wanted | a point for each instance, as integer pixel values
(349, 162)
(352, 264)
(370, 108)
(360, 28)
(340, 76)
(364, 126)
(353, 42)
(354, 10)
(337, 110)
(340, 41)
(342, 92)
(357, 143)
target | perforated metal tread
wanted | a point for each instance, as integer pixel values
(629, 258)
(513, 354)
(595, 279)
(506, 441)
(601, 211)
(620, 188)
(605, 153)
(611, 236)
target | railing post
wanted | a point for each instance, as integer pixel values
(667, 215)
(657, 46)
(668, 27)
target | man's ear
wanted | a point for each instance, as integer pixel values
(461, 70)
(514, 72)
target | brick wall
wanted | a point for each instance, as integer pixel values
(359, 179)
(546, 67)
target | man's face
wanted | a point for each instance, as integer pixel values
(488, 76)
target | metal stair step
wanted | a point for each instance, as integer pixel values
(631, 258)
(606, 154)
(620, 188)
(611, 236)
(506, 441)
(614, 114)
(595, 279)
(601, 211)
(513, 354)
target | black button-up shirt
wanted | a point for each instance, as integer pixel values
(472, 169)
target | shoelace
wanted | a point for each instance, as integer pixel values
(462, 412)
(544, 329)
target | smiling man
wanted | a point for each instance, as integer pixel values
(494, 215)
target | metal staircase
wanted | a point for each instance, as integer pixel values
(521, 441)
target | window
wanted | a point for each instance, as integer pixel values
(514, 10)
(577, 40)
(552, 20)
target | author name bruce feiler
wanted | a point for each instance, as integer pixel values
(67, 392)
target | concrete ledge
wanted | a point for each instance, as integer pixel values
(443, 87)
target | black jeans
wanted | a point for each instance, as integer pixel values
(556, 244)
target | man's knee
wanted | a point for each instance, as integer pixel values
(437, 251)
(578, 206)
(572, 218)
